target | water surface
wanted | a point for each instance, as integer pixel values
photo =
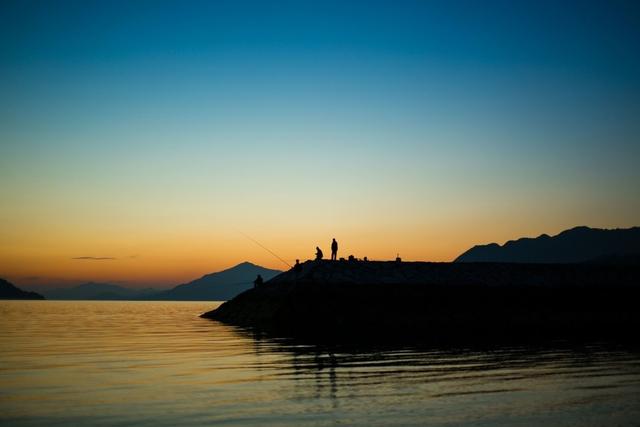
(158, 363)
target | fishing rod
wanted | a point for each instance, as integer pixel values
(265, 248)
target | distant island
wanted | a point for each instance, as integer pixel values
(579, 244)
(10, 291)
(360, 299)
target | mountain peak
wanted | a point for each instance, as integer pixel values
(580, 229)
(245, 264)
(221, 285)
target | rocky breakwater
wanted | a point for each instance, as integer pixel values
(397, 299)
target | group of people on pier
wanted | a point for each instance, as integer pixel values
(319, 255)
(334, 251)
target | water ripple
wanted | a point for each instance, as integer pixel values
(158, 363)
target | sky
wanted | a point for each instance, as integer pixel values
(140, 142)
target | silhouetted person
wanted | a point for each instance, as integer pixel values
(258, 282)
(334, 250)
(298, 266)
(318, 254)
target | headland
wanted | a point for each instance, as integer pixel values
(438, 300)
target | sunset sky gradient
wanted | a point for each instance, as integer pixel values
(156, 133)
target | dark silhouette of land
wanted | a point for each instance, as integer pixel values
(219, 286)
(582, 282)
(579, 244)
(359, 299)
(10, 291)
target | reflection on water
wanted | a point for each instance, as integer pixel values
(158, 363)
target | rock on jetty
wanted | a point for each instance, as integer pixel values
(439, 299)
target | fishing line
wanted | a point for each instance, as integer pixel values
(265, 248)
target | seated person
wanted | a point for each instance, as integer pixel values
(258, 282)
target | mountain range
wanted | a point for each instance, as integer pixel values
(576, 245)
(219, 286)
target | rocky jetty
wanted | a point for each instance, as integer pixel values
(360, 299)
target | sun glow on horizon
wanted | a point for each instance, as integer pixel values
(154, 136)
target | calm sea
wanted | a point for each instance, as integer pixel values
(158, 363)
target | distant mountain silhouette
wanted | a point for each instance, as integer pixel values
(579, 244)
(220, 286)
(94, 291)
(10, 291)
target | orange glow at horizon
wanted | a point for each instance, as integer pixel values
(165, 260)
(153, 135)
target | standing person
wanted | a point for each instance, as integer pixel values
(334, 250)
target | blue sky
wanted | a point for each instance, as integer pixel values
(463, 122)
